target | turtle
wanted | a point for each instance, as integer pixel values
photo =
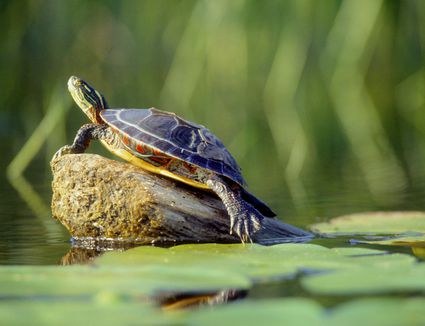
(164, 143)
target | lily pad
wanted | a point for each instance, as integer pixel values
(368, 280)
(388, 228)
(416, 244)
(82, 313)
(254, 261)
(418, 241)
(292, 311)
(380, 311)
(86, 281)
(374, 223)
(299, 311)
(296, 311)
(138, 275)
(145, 271)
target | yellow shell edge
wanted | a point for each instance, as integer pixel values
(125, 155)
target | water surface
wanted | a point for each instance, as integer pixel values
(30, 238)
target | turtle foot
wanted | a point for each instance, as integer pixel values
(245, 219)
(82, 139)
(64, 150)
(246, 222)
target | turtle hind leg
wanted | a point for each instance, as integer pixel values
(245, 220)
(83, 138)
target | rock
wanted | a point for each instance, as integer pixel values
(103, 199)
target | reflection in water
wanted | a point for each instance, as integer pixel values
(34, 201)
(56, 110)
(85, 250)
(174, 301)
(24, 239)
(80, 256)
(38, 246)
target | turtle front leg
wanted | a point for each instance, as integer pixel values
(83, 137)
(245, 220)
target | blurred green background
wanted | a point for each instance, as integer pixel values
(321, 102)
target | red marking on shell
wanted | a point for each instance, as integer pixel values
(162, 161)
(125, 140)
(191, 168)
(158, 153)
(141, 149)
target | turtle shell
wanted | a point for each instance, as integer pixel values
(174, 136)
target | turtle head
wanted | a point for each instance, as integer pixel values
(87, 98)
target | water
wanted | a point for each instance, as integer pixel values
(27, 236)
(30, 238)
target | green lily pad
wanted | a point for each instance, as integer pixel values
(400, 228)
(89, 281)
(82, 313)
(254, 261)
(144, 271)
(380, 311)
(299, 311)
(293, 311)
(418, 241)
(141, 273)
(374, 223)
(296, 311)
(368, 280)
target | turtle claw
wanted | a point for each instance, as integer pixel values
(67, 149)
(245, 219)
(246, 223)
